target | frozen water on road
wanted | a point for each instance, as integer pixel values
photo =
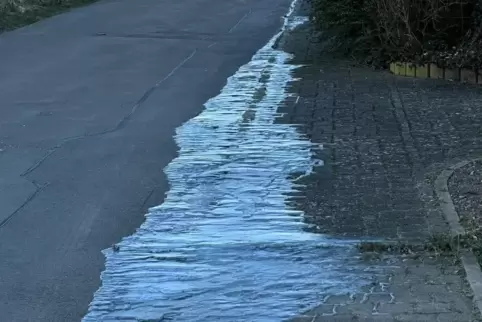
(224, 246)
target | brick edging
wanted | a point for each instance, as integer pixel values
(434, 72)
(469, 261)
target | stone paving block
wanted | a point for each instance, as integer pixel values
(325, 309)
(436, 72)
(453, 317)
(393, 67)
(400, 69)
(410, 70)
(468, 76)
(361, 309)
(423, 71)
(351, 318)
(433, 308)
(397, 308)
(339, 299)
(303, 318)
(452, 74)
(380, 134)
(376, 297)
(417, 318)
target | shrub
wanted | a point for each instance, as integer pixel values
(407, 30)
(347, 22)
(17, 13)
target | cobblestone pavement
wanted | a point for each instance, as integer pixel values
(384, 140)
(412, 290)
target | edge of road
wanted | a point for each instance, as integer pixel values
(469, 261)
(17, 16)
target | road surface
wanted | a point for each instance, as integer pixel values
(89, 101)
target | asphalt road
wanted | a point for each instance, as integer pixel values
(89, 102)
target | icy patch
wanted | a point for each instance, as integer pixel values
(224, 246)
(296, 21)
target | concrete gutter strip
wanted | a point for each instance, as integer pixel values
(473, 274)
(441, 187)
(469, 261)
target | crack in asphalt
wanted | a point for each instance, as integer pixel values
(240, 21)
(120, 125)
(38, 189)
(176, 35)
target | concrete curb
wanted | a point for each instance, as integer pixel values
(469, 261)
(434, 72)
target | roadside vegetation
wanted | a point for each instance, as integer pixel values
(18, 13)
(445, 32)
(436, 245)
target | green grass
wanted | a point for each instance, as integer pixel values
(18, 13)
